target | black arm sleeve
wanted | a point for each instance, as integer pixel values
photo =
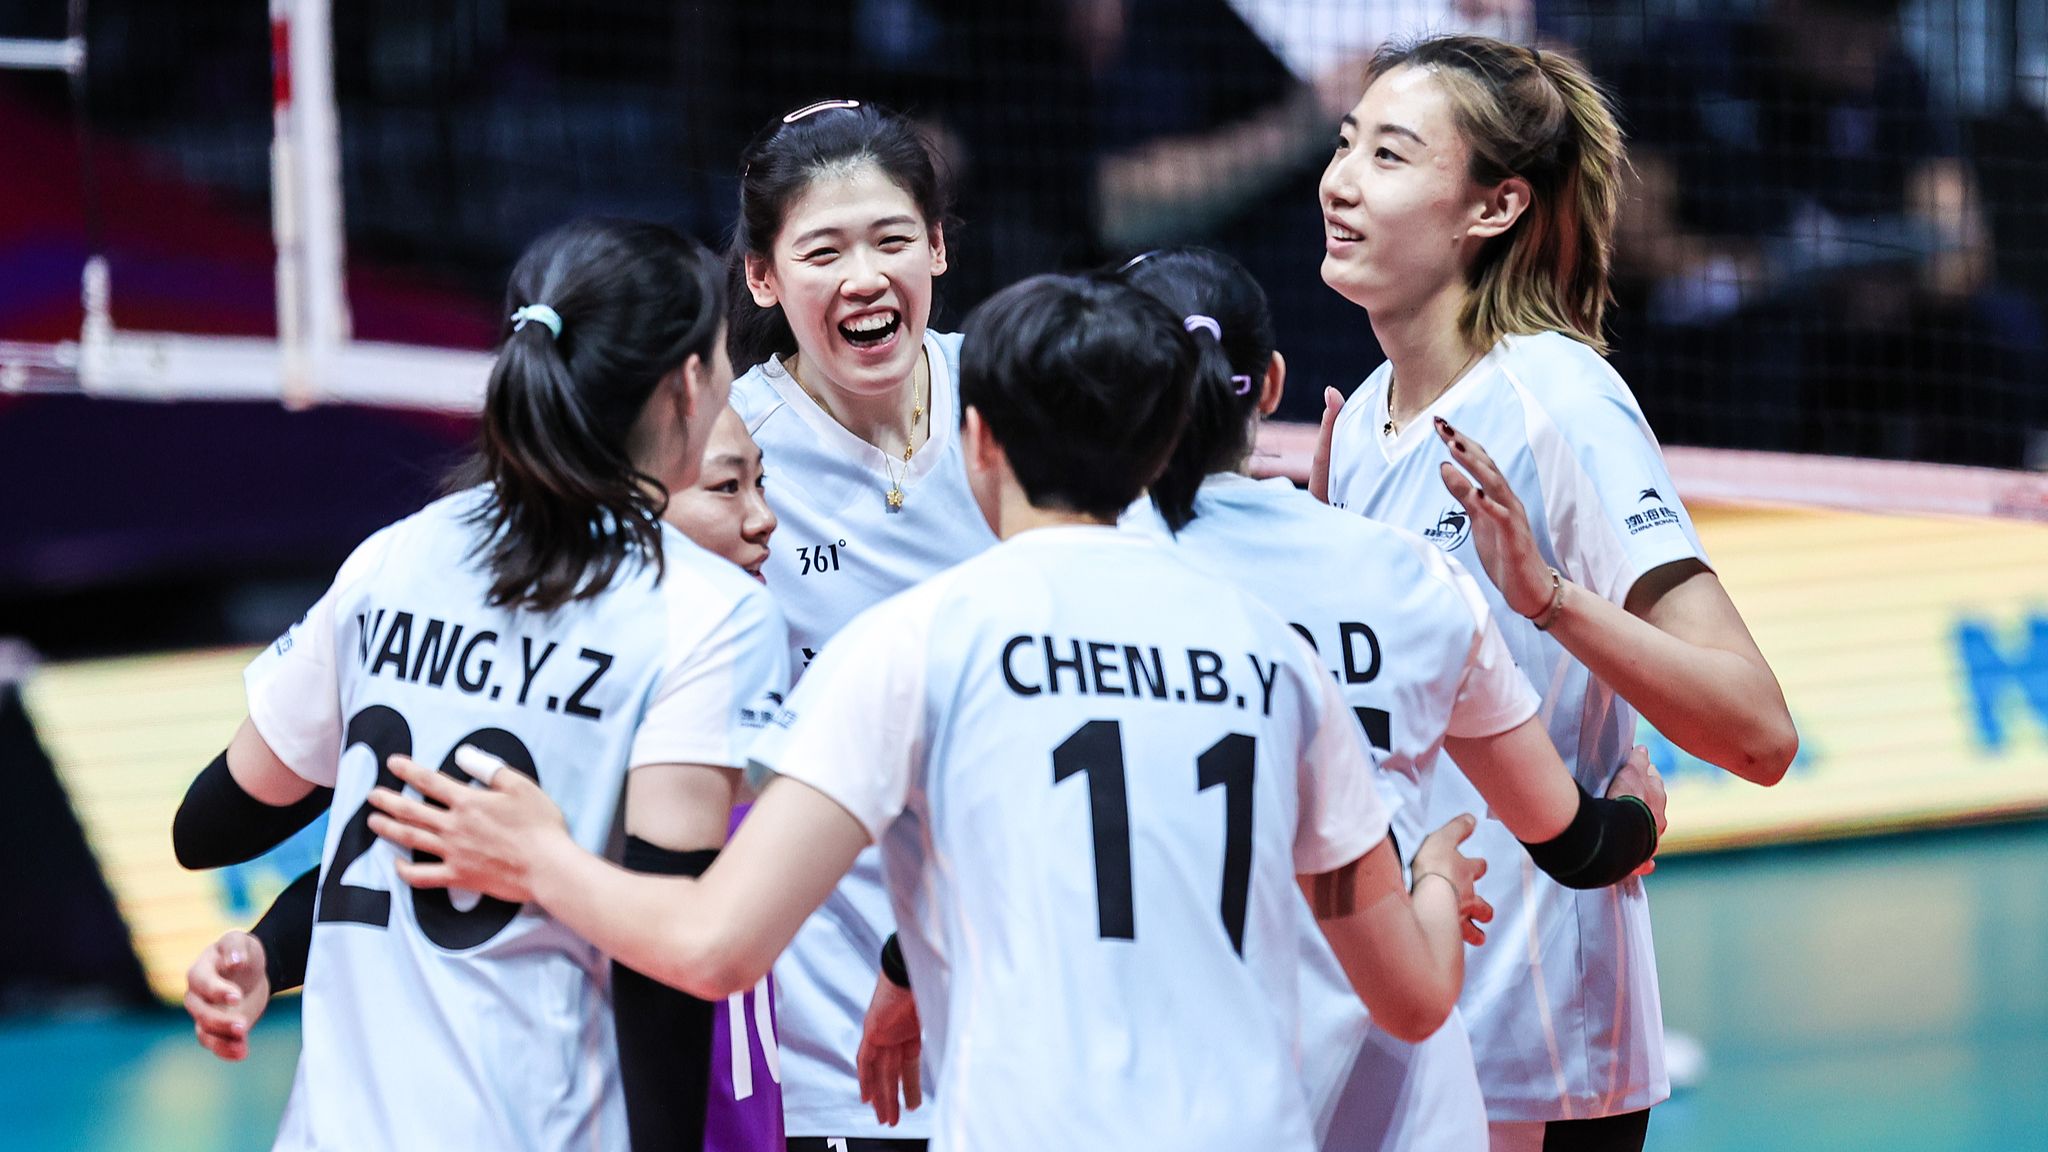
(664, 1034)
(1606, 840)
(287, 933)
(220, 824)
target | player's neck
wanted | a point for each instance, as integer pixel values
(1015, 513)
(891, 421)
(1428, 348)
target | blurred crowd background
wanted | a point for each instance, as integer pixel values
(1835, 239)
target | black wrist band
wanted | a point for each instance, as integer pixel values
(287, 933)
(219, 824)
(892, 962)
(1605, 842)
(642, 856)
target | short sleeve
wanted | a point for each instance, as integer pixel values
(1342, 813)
(709, 706)
(1607, 497)
(854, 728)
(294, 686)
(1493, 694)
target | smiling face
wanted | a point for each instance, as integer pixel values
(726, 510)
(852, 267)
(1402, 217)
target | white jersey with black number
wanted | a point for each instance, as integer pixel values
(839, 550)
(1095, 772)
(1406, 635)
(439, 1019)
(1562, 999)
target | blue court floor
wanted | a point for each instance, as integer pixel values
(1870, 995)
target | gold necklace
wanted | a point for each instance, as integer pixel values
(895, 493)
(1388, 428)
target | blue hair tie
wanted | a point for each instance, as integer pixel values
(1201, 323)
(542, 313)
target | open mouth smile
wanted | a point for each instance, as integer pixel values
(872, 329)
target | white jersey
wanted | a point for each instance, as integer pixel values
(1104, 961)
(1562, 1000)
(439, 1019)
(839, 550)
(1406, 634)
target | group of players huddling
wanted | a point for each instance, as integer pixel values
(1119, 798)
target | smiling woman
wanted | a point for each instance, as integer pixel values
(1469, 209)
(856, 405)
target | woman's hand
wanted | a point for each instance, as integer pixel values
(891, 1041)
(1500, 526)
(226, 992)
(1439, 856)
(1319, 468)
(1639, 778)
(486, 838)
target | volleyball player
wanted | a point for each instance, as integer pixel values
(445, 1019)
(1469, 209)
(1094, 769)
(1407, 633)
(856, 404)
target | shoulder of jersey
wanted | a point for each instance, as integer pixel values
(752, 396)
(689, 563)
(1564, 375)
(441, 521)
(949, 344)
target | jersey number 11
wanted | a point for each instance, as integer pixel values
(1097, 750)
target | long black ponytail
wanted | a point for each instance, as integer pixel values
(568, 508)
(1224, 309)
(779, 166)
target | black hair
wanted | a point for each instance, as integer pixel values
(780, 165)
(1085, 383)
(568, 507)
(1201, 282)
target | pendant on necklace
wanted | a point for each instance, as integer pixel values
(895, 495)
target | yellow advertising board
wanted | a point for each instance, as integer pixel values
(1913, 652)
(127, 737)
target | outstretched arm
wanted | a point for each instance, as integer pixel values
(1402, 951)
(1677, 650)
(709, 937)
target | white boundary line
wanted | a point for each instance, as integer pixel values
(1732, 476)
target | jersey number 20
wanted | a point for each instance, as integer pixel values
(1096, 749)
(386, 734)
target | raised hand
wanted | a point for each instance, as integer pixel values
(1319, 468)
(1439, 856)
(1500, 525)
(1639, 778)
(226, 992)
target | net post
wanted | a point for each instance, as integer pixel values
(313, 323)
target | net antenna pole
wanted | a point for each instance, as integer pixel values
(313, 323)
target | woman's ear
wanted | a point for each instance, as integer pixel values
(1499, 207)
(938, 250)
(690, 382)
(759, 283)
(1275, 384)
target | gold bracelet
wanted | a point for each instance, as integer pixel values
(1556, 608)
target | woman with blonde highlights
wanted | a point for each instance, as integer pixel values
(1469, 208)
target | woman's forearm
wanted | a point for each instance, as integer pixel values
(1720, 702)
(662, 926)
